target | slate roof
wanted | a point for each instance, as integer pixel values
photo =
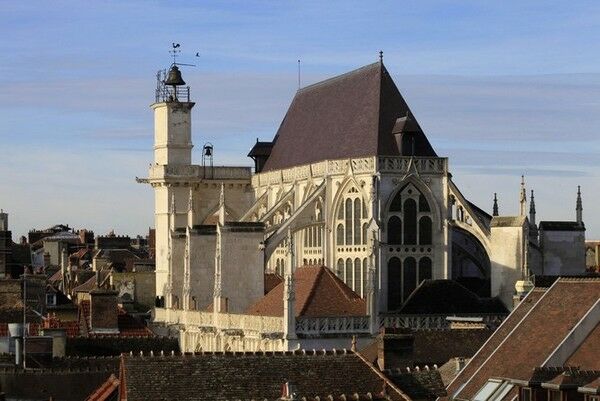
(449, 297)
(258, 376)
(423, 384)
(261, 149)
(561, 226)
(319, 293)
(351, 115)
(507, 221)
(429, 347)
(550, 317)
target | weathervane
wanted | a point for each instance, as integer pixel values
(175, 50)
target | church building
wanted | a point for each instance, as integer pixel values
(350, 181)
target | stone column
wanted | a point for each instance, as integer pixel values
(289, 294)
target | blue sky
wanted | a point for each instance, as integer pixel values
(501, 88)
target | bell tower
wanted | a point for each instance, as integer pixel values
(172, 153)
(172, 119)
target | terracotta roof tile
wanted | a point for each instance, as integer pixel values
(531, 341)
(106, 390)
(319, 293)
(258, 376)
(494, 341)
(271, 281)
(87, 286)
(588, 353)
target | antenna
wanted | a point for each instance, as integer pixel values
(298, 74)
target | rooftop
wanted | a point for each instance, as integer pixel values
(348, 116)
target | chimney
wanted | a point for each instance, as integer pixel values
(103, 312)
(459, 363)
(46, 259)
(395, 346)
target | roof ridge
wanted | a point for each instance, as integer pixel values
(340, 284)
(313, 288)
(337, 77)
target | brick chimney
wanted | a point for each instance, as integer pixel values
(46, 259)
(103, 312)
(395, 346)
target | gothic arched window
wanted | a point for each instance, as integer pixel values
(357, 276)
(340, 234)
(409, 277)
(425, 230)
(357, 226)
(394, 230)
(410, 222)
(424, 269)
(348, 275)
(348, 221)
(394, 283)
(340, 268)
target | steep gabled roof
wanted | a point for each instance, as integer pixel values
(447, 297)
(319, 293)
(253, 376)
(535, 337)
(351, 115)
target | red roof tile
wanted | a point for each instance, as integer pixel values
(271, 281)
(588, 353)
(532, 340)
(319, 293)
(106, 390)
(89, 285)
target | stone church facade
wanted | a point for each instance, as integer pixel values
(353, 178)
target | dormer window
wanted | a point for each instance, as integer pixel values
(50, 299)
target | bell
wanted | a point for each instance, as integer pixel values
(208, 150)
(174, 77)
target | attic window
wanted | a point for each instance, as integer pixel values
(50, 299)
(494, 390)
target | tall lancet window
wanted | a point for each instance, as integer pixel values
(409, 245)
(350, 240)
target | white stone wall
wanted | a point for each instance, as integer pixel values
(172, 133)
(506, 261)
(202, 274)
(242, 268)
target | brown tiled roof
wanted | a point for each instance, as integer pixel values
(423, 384)
(128, 325)
(535, 337)
(319, 293)
(588, 353)
(351, 115)
(496, 339)
(428, 347)
(56, 277)
(87, 286)
(106, 391)
(571, 378)
(591, 387)
(258, 376)
(272, 280)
